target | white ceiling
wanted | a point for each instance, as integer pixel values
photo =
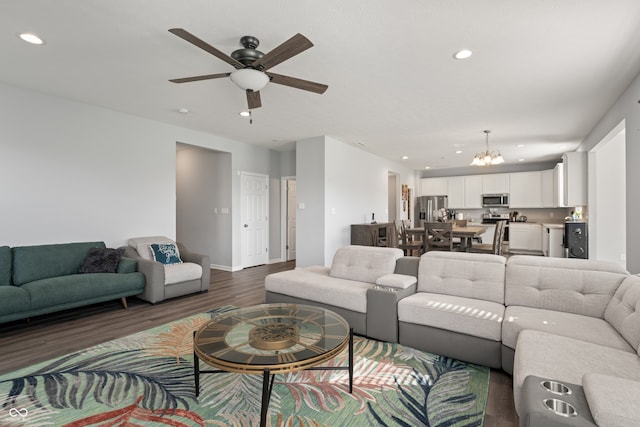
(542, 72)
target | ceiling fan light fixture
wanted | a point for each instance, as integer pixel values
(249, 79)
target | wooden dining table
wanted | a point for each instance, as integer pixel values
(465, 234)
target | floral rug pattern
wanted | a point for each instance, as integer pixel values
(146, 379)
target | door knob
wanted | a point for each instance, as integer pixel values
(246, 225)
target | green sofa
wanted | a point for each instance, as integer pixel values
(36, 280)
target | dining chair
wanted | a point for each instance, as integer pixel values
(496, 247)
(459, 223)
(438, 236)
(411, 242)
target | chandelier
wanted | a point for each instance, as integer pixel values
(487, 158)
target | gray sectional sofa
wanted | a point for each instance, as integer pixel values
(570, 324)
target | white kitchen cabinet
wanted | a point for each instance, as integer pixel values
(525, 190)
(473, 192)
(525, 236)
(433, 186)
(495, 183)
(547, 189)
(575, 178)
(455, 191)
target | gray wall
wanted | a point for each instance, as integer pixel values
(627, 107)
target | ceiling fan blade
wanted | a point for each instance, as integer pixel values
(185, 35)
(197, 78)
(286, 50)
(297, 83)
(253, 99)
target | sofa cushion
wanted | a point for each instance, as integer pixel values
(142, 245)
(5, 265)
(565, 359)
(13, 299)
(623, 311)
(315, 284)
(612, 401)
(74, 288)
(181, 272)
(101, 260)
(364, 263)
(585, 328)
(475, 317)
(32, 263)
(561, 284)
(469, 275)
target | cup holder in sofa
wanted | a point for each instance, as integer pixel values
(555, 387)
(560, 407)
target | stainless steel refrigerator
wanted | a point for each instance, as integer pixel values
(426, 208)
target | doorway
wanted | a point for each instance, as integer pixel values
(288, 207)
(254, 219)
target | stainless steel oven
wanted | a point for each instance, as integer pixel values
(495, 200)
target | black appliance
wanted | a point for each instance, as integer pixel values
(495, 200)
(576, 241)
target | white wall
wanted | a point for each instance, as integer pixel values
(607, 216)
(625, 108)
(346, 185)
(75, 172)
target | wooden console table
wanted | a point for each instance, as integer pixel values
(382, 235)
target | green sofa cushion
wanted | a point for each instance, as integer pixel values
(5, 265)
(32, 263)
(82, 287)
(13, 300)
(127, 265)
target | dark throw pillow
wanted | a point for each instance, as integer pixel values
(166, 253)
(101, 260)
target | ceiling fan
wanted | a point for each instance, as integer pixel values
(251, 65)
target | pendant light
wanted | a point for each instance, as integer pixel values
(487, 158)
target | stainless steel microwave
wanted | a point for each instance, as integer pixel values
(495, 200)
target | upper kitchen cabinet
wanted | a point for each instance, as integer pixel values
(434, 187)
(497, 183)
(455, 191)
(525, 190)
(473, 190)
(558, 186)
(575, 178)
(547, 189)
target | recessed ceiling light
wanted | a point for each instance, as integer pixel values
(458, 151)
(462, 54)
(520, 145)
(183, 111)
(245, 113)
(31, 38)
(521, 160)
(427, 167)
(405, 157)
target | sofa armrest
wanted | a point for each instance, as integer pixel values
(202, 260)
(382, 311)
(154, 274)
(612, 401)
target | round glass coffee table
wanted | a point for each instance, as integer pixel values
(269, 339)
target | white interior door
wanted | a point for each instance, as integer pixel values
(255, 219)
(291, 219)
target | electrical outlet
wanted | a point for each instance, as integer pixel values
(623, 257)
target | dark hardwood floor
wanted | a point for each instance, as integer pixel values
(49, 336)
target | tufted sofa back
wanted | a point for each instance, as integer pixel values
(463, 274)
(623, 311)
(571, 285)
(364, 263)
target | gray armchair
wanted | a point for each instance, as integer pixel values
(172, 280)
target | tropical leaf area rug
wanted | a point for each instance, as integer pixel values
(146, 379)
